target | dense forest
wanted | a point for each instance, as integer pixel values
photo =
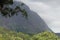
(6, 34)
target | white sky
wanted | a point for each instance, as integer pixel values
(49, 10)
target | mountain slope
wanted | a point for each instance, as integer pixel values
(34, 23)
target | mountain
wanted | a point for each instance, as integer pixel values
(58, 34)
(34, 23)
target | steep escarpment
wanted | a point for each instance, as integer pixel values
(33, 24)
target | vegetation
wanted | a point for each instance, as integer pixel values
(45, 36)
(6, 34)
(11, 35)
(7, 11)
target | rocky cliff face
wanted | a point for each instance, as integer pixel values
(33, 24)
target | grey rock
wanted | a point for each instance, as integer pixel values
(34, 23)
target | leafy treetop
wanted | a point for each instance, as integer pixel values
(8, 12)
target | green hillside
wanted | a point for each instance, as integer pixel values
(11, 35)
(6, 34)
(45, 36)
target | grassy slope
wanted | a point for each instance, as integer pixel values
(11, 35)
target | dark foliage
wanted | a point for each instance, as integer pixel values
(9, 12)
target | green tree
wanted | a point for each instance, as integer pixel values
(6, 34)
(7, 11)
(45, 36)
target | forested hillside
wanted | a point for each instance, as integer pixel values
(6, 34)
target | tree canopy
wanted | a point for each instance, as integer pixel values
(45, 36)
(8, 12)
(6, 34)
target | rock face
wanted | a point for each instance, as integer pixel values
(33, 24)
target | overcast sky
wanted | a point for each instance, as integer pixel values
(49, 10)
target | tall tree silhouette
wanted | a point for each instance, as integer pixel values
(8, 12)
